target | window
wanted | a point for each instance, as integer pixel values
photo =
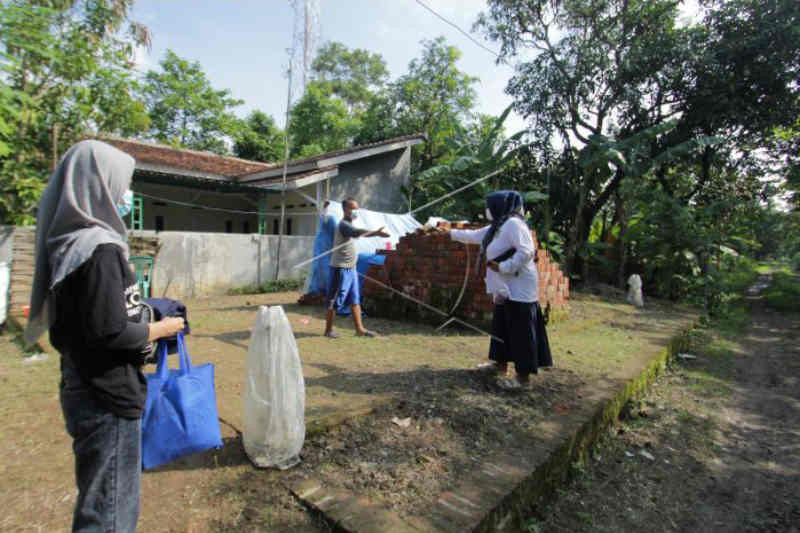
(246, 226)
(275, 227)
(159, 222)
(288, 226)
(229, 226)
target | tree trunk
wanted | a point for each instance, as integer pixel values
(622, 249)
(574, 240)
(54, 146)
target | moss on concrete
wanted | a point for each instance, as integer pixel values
(540, 487)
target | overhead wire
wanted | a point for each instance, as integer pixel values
(466, 34)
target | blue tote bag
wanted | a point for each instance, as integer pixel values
(180, 415)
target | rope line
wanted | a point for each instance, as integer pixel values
(467, 35)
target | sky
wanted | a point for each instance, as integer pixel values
(242, 44)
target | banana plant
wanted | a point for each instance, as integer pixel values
(474, 157)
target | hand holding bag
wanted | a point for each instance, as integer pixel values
(180, 416)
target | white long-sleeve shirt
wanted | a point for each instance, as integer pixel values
(518, 279)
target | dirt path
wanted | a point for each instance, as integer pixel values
(759, 458)
(715, 445)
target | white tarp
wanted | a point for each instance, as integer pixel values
(396, 226)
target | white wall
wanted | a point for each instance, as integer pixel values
(181, 218)
(191, 265)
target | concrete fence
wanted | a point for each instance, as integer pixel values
(187, 265)
(190, 265)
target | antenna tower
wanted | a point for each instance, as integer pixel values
(305, 39)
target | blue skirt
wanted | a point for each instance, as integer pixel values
(521, 327)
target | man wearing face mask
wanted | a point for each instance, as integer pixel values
(343, 287)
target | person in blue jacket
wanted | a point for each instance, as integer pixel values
(322, 243)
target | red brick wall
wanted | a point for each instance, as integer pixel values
(429, 266)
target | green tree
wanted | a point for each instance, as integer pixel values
(480, 148)
(330, 112)
(787, 150)
(320, 122)
(606, 73)
(185, 110)
(434, 98)
(259, 139)
(602, 69)
(352, 75)
(65, 74)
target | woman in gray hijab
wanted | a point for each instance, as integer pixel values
(86, 295)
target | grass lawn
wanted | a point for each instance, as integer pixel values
(409, 367)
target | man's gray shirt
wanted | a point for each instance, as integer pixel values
(346, 256)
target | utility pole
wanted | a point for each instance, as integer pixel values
(285, 167)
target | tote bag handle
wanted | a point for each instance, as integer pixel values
(162, 369)
(186, 363)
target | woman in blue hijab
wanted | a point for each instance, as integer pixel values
(513, 281)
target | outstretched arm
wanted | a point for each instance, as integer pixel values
(469, 236)
(380, 232)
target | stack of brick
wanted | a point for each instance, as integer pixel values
(312, 298)
(430, 267)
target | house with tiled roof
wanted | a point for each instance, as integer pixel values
(188, 190)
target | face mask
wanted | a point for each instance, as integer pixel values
(126, 204)
(354, 214)
(489, 216)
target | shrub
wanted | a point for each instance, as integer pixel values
(784, 293)
(795, 262)
(280, 285)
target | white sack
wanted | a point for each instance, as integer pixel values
(432, 222)
(274, 394)
(635, 291)
(396, 226)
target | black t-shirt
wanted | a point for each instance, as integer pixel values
(97, 329)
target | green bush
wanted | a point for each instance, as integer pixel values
(784, 293)
(741, 273)
(795, 261)
(281, 285)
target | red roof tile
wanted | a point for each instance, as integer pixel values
(207, 162)
(158, 154)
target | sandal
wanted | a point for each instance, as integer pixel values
(493, 367)
(509, 384)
